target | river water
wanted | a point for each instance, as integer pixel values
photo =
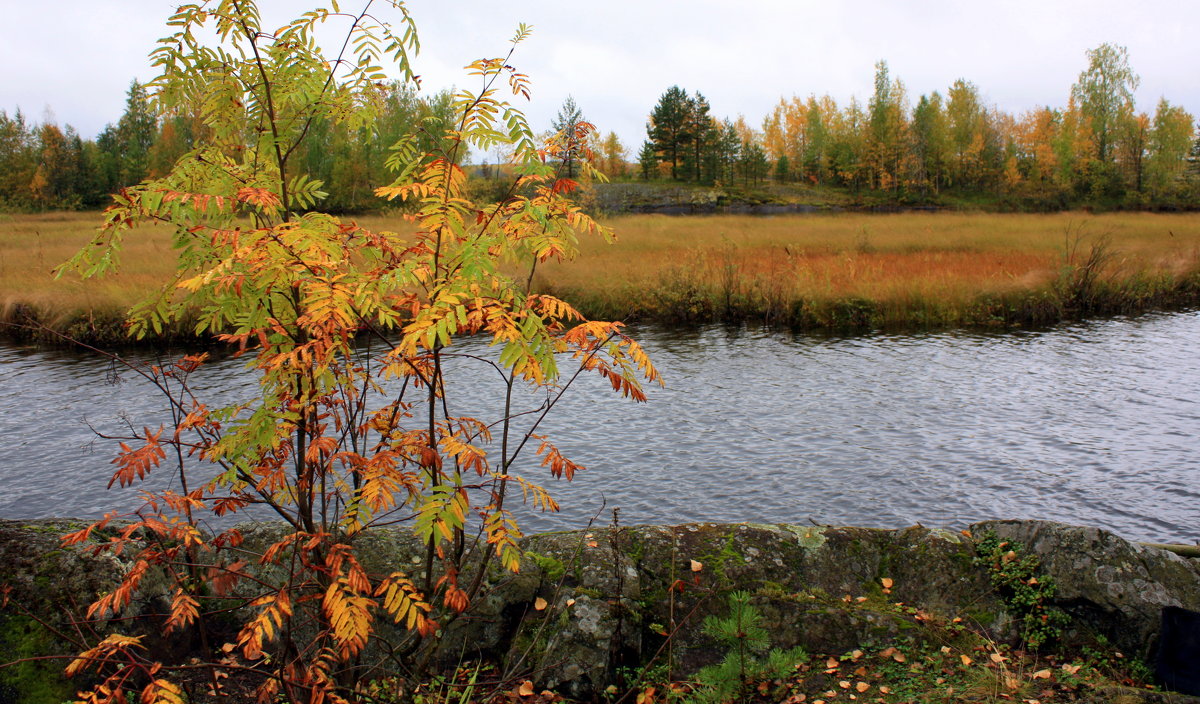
(1093, 423)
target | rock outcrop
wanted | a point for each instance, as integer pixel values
(611, 598)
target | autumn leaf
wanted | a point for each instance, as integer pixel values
(697, 565)
(540, 604)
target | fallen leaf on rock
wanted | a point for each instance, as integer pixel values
(570, 602)
(540, 604)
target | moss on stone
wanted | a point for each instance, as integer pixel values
(38, 682)
(552, 567)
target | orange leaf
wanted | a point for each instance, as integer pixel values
(697, 566)
(886, 582)
(540, 604)
(526, 689)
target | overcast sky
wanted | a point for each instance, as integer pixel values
(616, 57)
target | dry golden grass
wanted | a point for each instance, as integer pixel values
(933, 261)
(931, 268)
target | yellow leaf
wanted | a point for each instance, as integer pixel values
(899, 657)
(966, 661)
(540, 604)
(1042, 674)
(697, 566)
(998, 658)
(884, 689)
(862, 687)
(886, 582)
(844, 684)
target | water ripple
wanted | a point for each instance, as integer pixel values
(1085, 423)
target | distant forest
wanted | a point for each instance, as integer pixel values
(1099, 150)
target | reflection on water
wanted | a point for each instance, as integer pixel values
(1092, 424)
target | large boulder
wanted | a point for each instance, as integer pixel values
(1108, 585)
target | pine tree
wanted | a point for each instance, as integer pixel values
(566, 125)
(136, 132)
(648, 160)
(668, 127)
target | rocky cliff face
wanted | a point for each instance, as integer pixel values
(612, 597)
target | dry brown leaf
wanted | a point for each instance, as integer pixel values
(998, 658)
(1042, 674)
(844, 684)
(862, 686)
(945, 650)
(899, 657)
(854, 655)
(884, 689)
(831, 663)
(526, 689)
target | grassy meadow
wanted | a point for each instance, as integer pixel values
(838, 271)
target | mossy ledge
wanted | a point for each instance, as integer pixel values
(612, 595)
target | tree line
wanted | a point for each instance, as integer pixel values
(45, 167)
(1099, 148)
